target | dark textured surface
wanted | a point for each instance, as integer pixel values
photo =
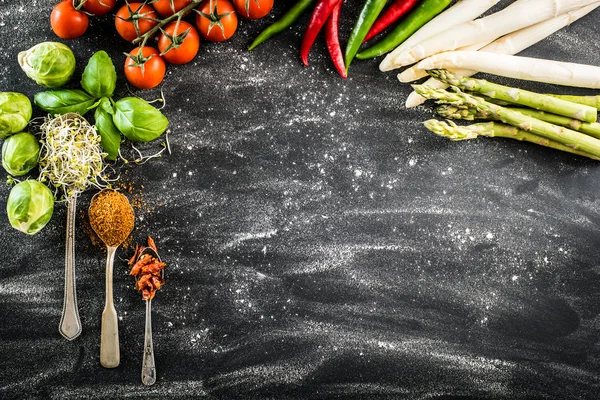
(320, 243)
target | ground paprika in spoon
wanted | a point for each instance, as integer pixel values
(111, 217)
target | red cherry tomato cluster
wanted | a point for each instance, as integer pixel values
(178, 40)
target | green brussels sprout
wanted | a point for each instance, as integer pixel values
(20, 153)
(30, 206)
(50, 64)
(15, 113)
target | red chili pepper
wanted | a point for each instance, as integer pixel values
(333, 41)
(317, 20)
(398, 9)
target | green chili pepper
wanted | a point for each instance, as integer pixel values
(284, 22)
(369, 13)
(415, 20)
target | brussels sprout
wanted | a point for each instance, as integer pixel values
(20, 153)
(50, 64)
(30, 206)
(15, 113)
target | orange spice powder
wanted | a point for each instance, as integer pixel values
(111, 216)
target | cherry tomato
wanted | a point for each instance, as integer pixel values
(188, 47)
(218, 24)
(67, 22)
(253, 9)
(99, 7)
(148, 75)
(167, 8)
(146, 20)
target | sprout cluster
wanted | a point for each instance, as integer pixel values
(71, 155)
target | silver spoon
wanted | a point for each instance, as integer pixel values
(70, 324)
(109, 331)
(148, 365)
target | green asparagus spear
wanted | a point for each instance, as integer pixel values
(568, 137)
(518, 96)
(592, 101)
(451, 111)
(469, 113)
(495, 129)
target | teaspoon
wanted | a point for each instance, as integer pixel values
(148, 365)
(111, 226)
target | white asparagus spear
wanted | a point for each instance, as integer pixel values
(462, 11)
(414, 73)
(520, 14)
(526, 68)
(513, 44)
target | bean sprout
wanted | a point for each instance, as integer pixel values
(71, 155)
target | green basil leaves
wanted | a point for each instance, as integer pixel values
(64, 101)
(109, 134)
(131, 117)
(99, 77)
(138, 120)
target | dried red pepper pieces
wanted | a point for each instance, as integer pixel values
(147, 270)
(333, 41)
(398, 9)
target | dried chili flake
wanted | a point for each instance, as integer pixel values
(148, 271)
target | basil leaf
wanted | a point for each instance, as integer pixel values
(106, 105)
(139, 121)
(99, 76)
(109, 134)
(64, 101)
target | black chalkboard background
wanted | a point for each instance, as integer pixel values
(320, 242)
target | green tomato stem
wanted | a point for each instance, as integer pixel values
(178, 15)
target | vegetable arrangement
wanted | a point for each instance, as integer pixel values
(30, 203)
(452, 47)
(462, 11)
(422, 14)
(510, 44)
(527, 127)
(519, 15)
(130, 117)
(69, 151)
(139, 21)
(404, 16)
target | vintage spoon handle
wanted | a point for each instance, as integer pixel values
(70, 325)
(148, 366)
(109, 335)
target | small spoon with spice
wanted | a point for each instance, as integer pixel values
(111, 217)
(148, 269)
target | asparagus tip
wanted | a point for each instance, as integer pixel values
(449, 130)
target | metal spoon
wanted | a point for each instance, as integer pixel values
(148, 365)
(109, 331)
(70, 324)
